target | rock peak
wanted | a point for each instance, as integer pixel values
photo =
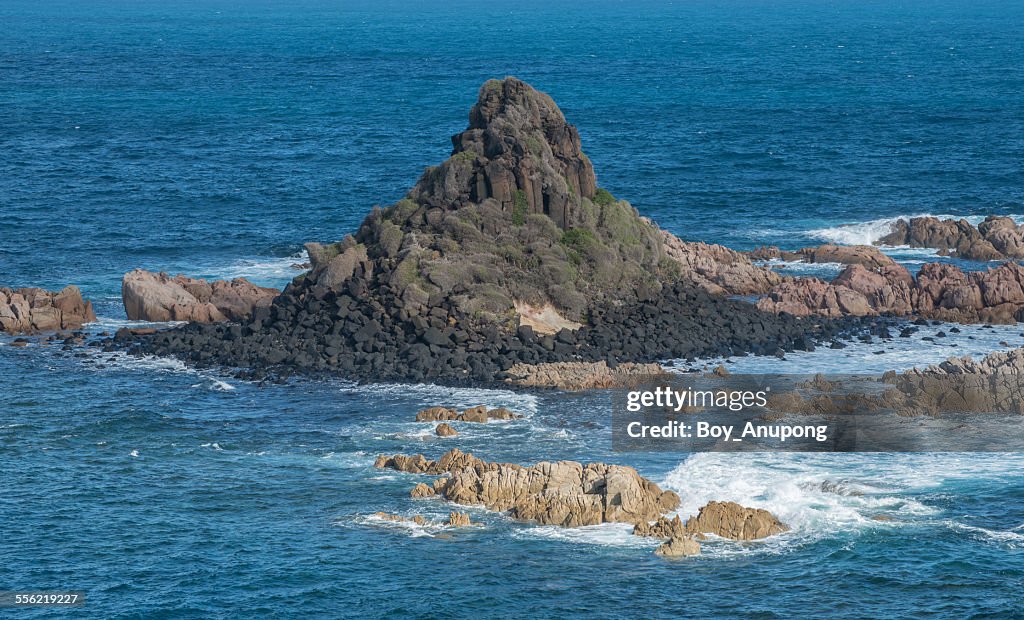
(518, 153)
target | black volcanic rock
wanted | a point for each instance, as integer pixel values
(427, 288)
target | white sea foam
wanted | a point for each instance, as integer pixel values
(411, 528)
(458, 398)
(821, 495)
(801, 267)
(869, 232)
(606, 534)
(267, 271)
(1010, 538)
(119, 360)
(895, 354)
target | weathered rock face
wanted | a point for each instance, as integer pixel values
(518, 147)
(582, 375)
(940, 291)
(807, 296)
(158, 297)
(30, 310)
(996, 238)
(565, 493)
(718, 269)
(735, 522)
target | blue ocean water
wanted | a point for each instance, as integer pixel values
(214, 137)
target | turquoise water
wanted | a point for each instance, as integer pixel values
(214, 138)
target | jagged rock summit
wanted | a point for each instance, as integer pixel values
(519, 153)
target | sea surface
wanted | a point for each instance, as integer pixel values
(214, 137)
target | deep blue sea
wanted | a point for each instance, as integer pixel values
(214, 137)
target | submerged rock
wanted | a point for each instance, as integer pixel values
(149, 296)
(445, 430)
(478, 414)
(565, 493)
(679, 547)
(455, 519)
(31, 310)
(418, 520)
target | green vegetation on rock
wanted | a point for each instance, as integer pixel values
(603, 197)
(519, 208)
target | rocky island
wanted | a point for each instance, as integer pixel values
(508, 255)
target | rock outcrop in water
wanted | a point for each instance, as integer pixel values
(940, 291)
(429, 289)
(455, 519)
(997, 238)
(866, 255)
(724, 519)
(735, 522)
(149, 296)
(445, 430)
(565, 493)
(679, 547)
(31, 310)
(480, 414)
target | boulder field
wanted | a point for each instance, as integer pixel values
(33, 310)
(437, 286)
